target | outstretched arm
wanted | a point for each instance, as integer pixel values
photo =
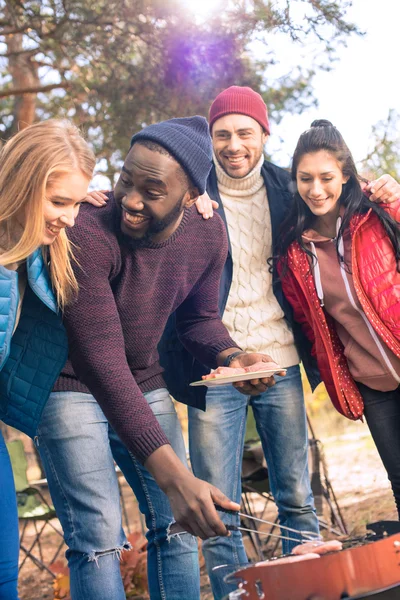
(97, 352)
(205, 206)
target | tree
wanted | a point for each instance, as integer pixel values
(115, 65)
(384, 156)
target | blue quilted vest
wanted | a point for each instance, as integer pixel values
(31, 358)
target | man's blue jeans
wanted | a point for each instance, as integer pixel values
(9, 538)
(77, 447)
(216, 440)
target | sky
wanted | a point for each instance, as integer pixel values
(361, 88)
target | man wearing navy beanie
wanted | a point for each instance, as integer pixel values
(145, 255)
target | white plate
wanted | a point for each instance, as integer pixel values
(223, 379)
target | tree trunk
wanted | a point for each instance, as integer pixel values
(24, 72)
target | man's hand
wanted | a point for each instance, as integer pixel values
(97, 198)
(192, 503)
(385, 189)
(253, 387)
(205, 206)
(192, 500)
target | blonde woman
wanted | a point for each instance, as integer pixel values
(44, 175)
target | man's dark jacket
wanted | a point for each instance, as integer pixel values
(180, 367)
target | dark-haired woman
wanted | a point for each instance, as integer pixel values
(339, 262)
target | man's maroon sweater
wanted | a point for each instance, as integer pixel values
(125, 298)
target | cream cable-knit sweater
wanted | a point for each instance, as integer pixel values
(252, 315)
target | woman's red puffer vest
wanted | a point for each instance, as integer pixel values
(377, 283)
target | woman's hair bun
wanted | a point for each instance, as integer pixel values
(321, 123)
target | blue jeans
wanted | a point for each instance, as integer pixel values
(77, 447)
(216, 440)
(9, 537)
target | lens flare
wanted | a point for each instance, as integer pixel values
(201, 9)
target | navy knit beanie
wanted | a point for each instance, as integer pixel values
(189, 142)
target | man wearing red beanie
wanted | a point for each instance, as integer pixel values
(253, 196)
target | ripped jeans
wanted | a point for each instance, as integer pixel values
(77, 447)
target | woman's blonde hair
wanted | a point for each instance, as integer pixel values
(31, 161)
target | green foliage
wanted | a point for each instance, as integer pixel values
(115, 65)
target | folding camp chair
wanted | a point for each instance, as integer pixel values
(324, 495)
(33, 508)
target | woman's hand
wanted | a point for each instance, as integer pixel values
(192, 500)
(205, 206)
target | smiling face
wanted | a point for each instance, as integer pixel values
(320, 182)
(61, 203)
(152, 192)
(238, 142)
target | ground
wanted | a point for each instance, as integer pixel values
(355, 472)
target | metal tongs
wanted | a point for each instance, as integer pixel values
(305, 536)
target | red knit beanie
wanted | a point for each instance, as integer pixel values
(242, 101)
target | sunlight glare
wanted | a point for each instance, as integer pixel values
(202, 8)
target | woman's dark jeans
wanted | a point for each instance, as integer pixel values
(382, 412)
